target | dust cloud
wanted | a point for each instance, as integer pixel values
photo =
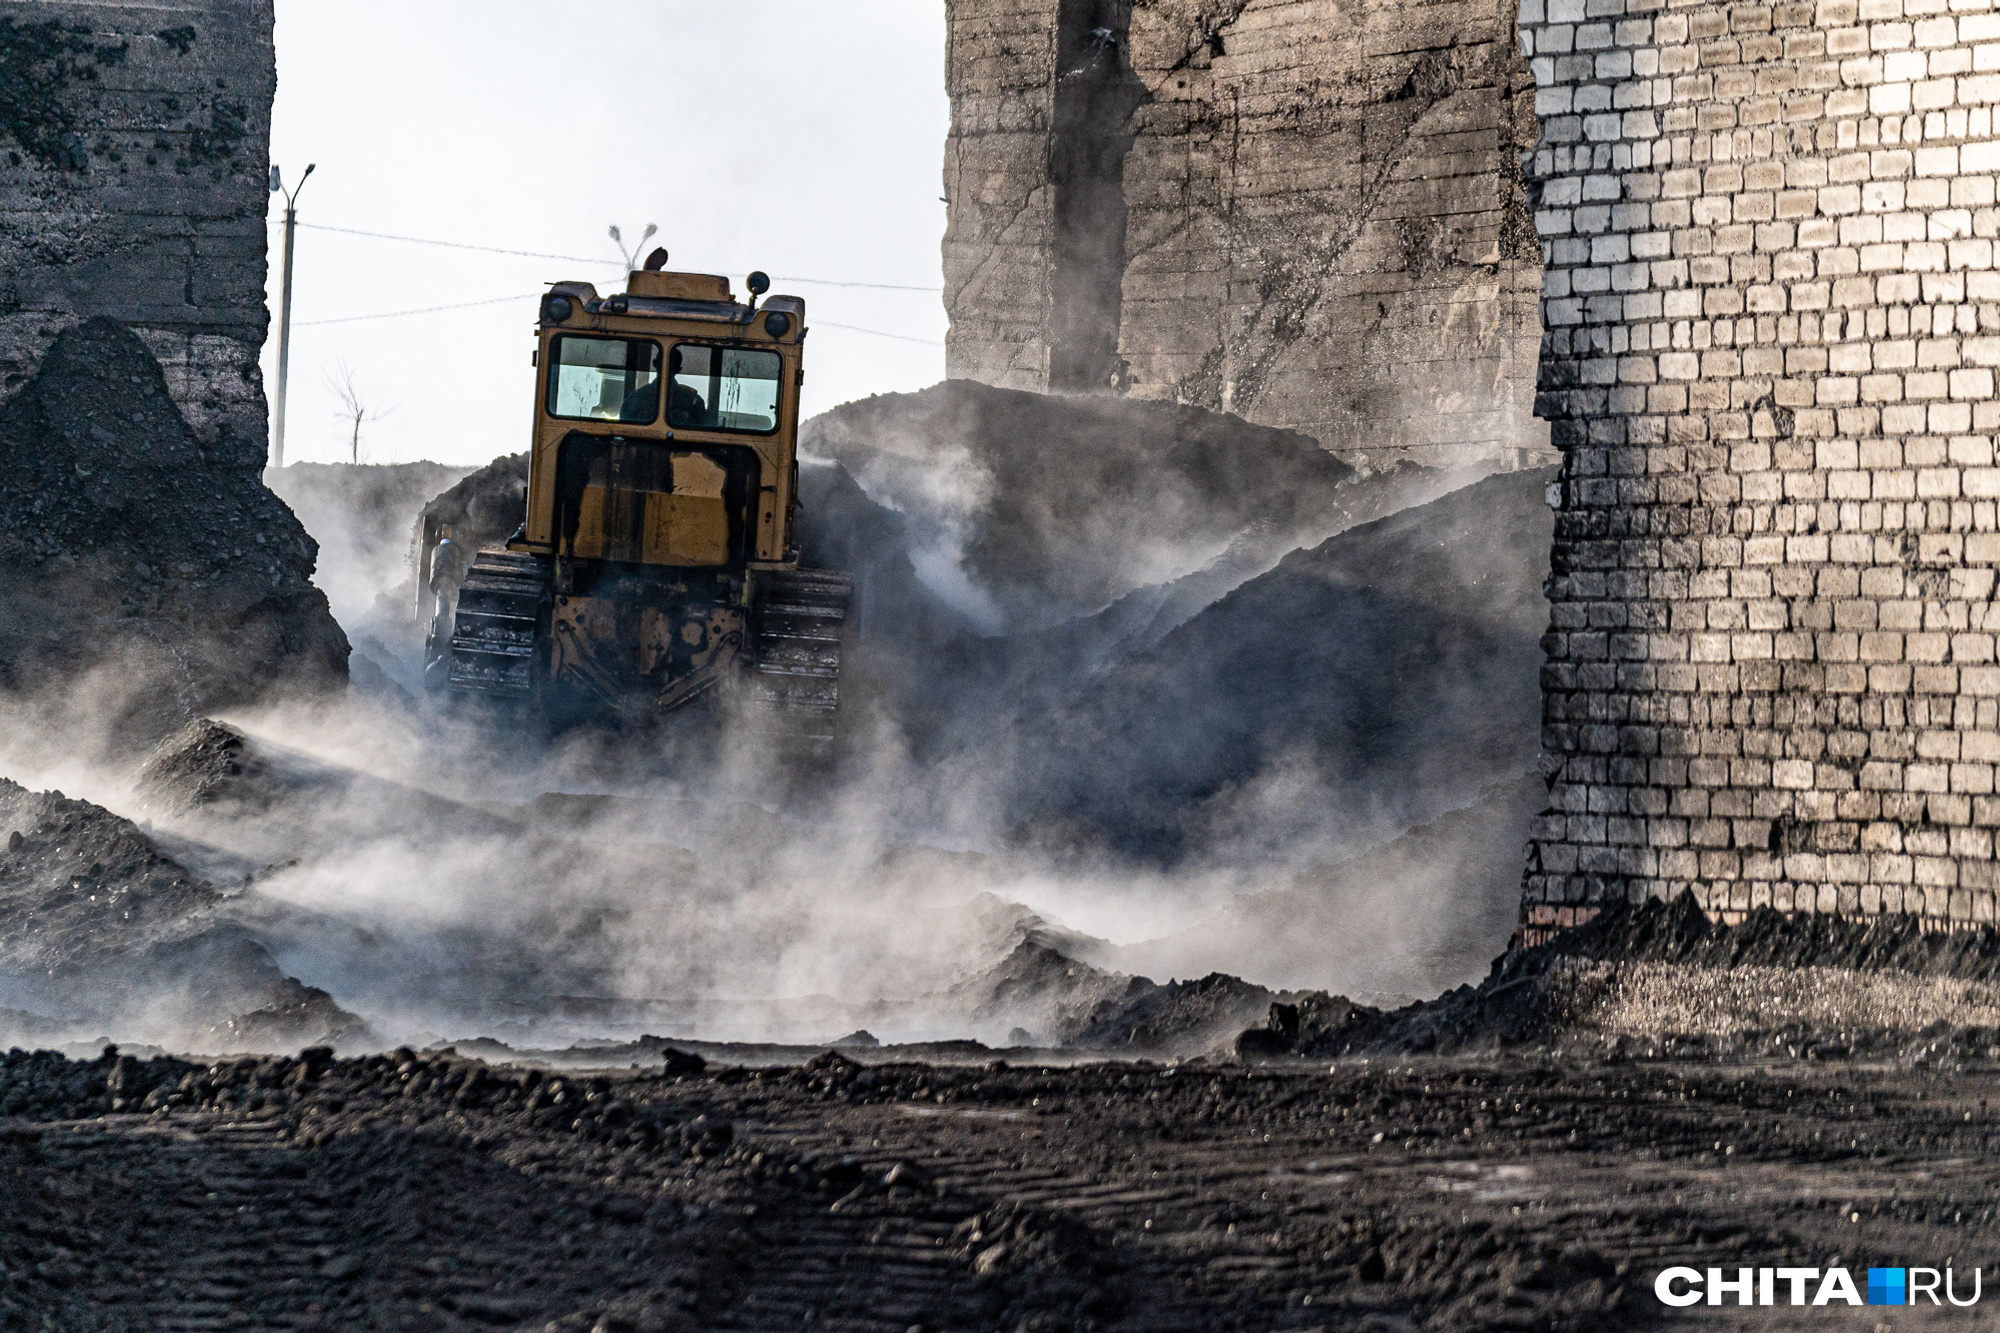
(1135, 689)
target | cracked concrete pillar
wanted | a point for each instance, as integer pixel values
(1305, 212)
(132, 184)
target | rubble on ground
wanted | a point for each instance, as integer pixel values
(1661, 980)
(1525, 1190)
(131, 550)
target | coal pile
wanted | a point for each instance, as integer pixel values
(1393, 666)
(208, 778)
(483, 508)
(1321, 699)
(1041, 993)
(1060, 1003)
(101, 930)
(1055, 506)
(129, 547)
(480, 509)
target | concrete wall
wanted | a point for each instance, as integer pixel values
(1773, 317)
(133, 186)
(1000, 73)
(1302, 211)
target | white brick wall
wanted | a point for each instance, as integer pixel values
(1771, 320)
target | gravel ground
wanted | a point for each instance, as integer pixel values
(1500, 1191)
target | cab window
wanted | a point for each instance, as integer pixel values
(605, 379)
(723, 388)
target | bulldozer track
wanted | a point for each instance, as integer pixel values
(798, 629)
(493, 632)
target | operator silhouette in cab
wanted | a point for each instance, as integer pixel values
(686, 407)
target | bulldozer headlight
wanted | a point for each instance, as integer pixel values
(777, 323)
(556, 309)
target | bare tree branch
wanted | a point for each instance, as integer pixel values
(355, 409)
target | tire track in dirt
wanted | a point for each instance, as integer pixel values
(431, 1192)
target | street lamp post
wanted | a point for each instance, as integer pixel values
(285, 305)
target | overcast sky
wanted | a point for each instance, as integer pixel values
(801, 137)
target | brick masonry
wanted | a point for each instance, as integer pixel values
(1307, 212)
(1772, 320)
(135, 187)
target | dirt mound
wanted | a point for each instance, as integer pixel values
(840, 527)
(482, 508)
(306, 1016)
(208, 778)
(200, 764)
(1056, 1000)
(1391, 671)
(126, 544)
(1143, 617)
(1055, 506)
(75, 878)
(98, 925)
(1041, 991)
(1179, 1018)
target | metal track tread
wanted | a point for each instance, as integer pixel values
(493, 632)
(799, 627)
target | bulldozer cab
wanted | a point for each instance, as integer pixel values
(658, 564)
(666, 426)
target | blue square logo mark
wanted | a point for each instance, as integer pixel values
(1885, 1286)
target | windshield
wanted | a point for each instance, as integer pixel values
(724, 388)
(605, 379)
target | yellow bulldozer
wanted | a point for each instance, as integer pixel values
(658, 563)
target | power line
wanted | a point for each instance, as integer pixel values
(426, 310)
(579, 259)
(501, 300)
(460, 245)
(856, 328)
(876, 286)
